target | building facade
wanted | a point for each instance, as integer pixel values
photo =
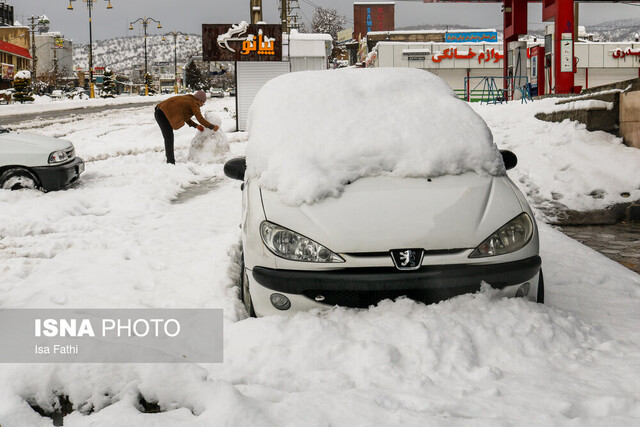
(15, 53)
(54, 55)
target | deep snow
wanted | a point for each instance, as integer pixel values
(136, 232)
(312, 132)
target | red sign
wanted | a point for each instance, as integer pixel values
(373, 17)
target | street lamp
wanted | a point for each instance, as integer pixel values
(175, 35)
(90, 7)
(145, 22)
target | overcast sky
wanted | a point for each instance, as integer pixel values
(188, 15)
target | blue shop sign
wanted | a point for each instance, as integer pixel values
(471, 36)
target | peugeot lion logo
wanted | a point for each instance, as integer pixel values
(407, 259)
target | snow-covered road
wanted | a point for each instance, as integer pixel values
(136, 233)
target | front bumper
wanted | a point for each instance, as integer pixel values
(362, 287)
(54, 178)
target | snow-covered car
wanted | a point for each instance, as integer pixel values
(216, 92)
(29, 161)
(367, 184)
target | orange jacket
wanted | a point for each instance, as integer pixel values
(179, 110)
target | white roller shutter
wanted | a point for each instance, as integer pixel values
(251, 76)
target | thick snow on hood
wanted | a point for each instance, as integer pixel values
(310, 133)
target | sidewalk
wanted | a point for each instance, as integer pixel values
(620, 242)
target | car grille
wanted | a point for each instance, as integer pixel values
(364, 299)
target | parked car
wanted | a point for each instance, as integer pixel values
(232, 91)
(56, 94)
(29, 161)
(216, 92)
(411, 199)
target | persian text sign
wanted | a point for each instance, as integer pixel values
(482, 56)
(241, 42)
(111, 335)
(621, 53)
(471, 36)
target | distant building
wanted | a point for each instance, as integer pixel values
(55, 55)
(14, 53)
(6, 15)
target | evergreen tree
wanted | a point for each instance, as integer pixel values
(194, 77)
(21, 83)
(108, 84)
(148, 80)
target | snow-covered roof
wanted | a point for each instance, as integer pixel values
(312, 132)
(295, 35)
(403, 32)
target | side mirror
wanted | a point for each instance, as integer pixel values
(510, 160)
(235, 168)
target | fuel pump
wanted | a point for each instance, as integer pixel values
(548, 59)
(517, 67)
(538, 71)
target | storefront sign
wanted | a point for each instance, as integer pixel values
(345, 35)
(7, 71)
(471, 36)
(621, 53)
(58, 43)
(483, 55)
(373, 17)
(241, 42)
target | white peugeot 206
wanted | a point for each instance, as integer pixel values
(368, 184)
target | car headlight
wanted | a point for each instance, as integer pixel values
(291, 245)
(509, 238)
(58, 157)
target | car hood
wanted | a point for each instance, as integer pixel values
(35, 141)
(378, 214)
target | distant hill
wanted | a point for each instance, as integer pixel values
(124, 53)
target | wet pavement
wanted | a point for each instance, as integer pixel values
(619, 242)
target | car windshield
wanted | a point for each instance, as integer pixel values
(312, 132)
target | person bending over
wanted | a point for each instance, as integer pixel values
(174, 112)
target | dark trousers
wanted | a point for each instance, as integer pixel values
(167, 134)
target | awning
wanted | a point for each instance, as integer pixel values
(15, 50)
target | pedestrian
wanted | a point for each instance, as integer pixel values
(174, 112)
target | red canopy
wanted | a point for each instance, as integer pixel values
(15, 50)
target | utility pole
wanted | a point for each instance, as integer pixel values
(283, 15)
(33, 21)
(289, 15)
(256, 11)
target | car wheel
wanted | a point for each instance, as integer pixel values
(540, 297)
(18, 179)
(245, 295)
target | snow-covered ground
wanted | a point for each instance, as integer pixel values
(46, 103)
(136, 232)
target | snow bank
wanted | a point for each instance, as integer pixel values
(563, 165)
(311, 133)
